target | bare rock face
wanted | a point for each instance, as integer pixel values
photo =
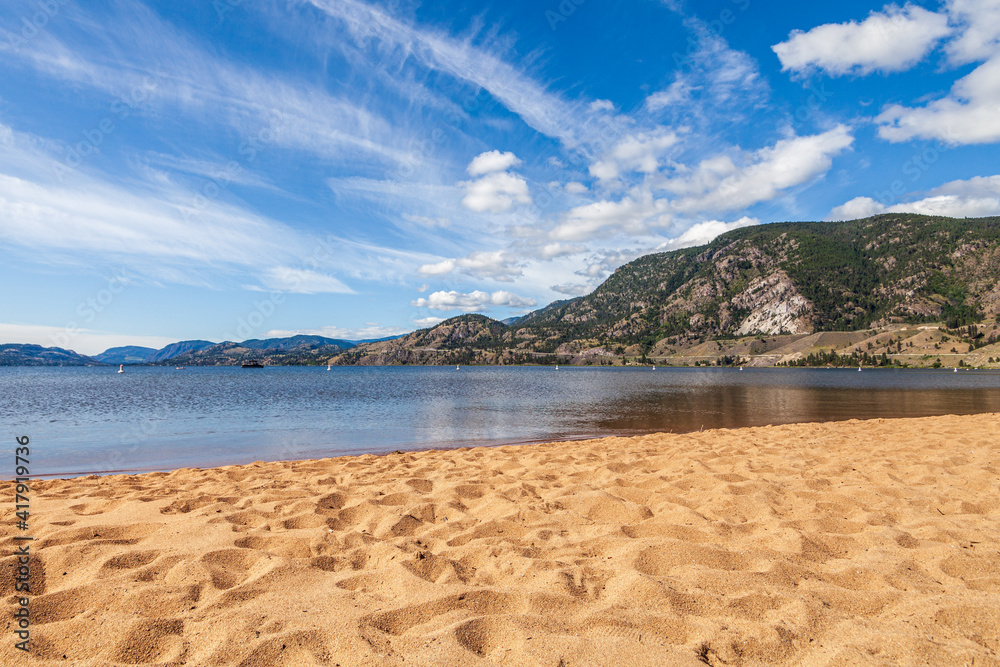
(775, 306)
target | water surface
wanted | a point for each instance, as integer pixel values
(84, 420)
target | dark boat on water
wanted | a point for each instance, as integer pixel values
(252, 364)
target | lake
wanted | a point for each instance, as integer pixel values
(87, 420)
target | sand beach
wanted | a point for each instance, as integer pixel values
(849, 543)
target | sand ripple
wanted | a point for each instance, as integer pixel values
(858, 543)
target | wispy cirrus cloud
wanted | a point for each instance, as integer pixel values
(541, 109)
(170, 72)
(165, 232)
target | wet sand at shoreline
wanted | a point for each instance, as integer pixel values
(860, 542)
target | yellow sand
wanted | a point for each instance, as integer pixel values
(857, 543)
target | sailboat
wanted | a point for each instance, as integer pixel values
(121, 368)
(328, 367)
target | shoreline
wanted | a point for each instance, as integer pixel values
(464, 444)
(658, 364)
(856, 542)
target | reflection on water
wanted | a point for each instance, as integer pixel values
(94, 420)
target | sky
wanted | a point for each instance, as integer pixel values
(241, 169)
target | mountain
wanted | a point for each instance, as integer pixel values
(296, 350)
(891, 272)
(467, 339)
(376, 340)
(36, 355)
(130, 354)
(133, 354)
(175, 349)
(299, 342)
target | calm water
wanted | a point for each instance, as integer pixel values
(83, 420)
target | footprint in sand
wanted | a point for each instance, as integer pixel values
(231, 567)
(152, 641)
(286, 547)
(127, 561)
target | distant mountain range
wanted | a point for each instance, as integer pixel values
(36, 355)
(295, 350)
(147, 355)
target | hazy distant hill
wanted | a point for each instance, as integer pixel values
(877, 274)
(467, 339)
(273, 351)
(294, 343)
(36, 355)
(174, 349)
(130, 354)
(133, 354)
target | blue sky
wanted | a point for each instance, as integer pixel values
(241, 169)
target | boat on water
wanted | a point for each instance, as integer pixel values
(252, 364)
(121, 368)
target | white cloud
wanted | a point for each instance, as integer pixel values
(857, 208)
(572, 289)
(497, 265)
(677, 92)
(367, 332)
(575, 188)
(952, 206)
(978, 22)
(439, 269)
(606, 261)
(70, 337)
(892, 40)
(302, 281)
(973, 198)
(472, 301)
(719, 185)
(602, 105)
(427, 322)
(553, 250)
(496, 192)
(969, 114)
(716, 184)
(491, 161)
(706, 232)
(895, 39)
(632, 214)
(637, 153)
